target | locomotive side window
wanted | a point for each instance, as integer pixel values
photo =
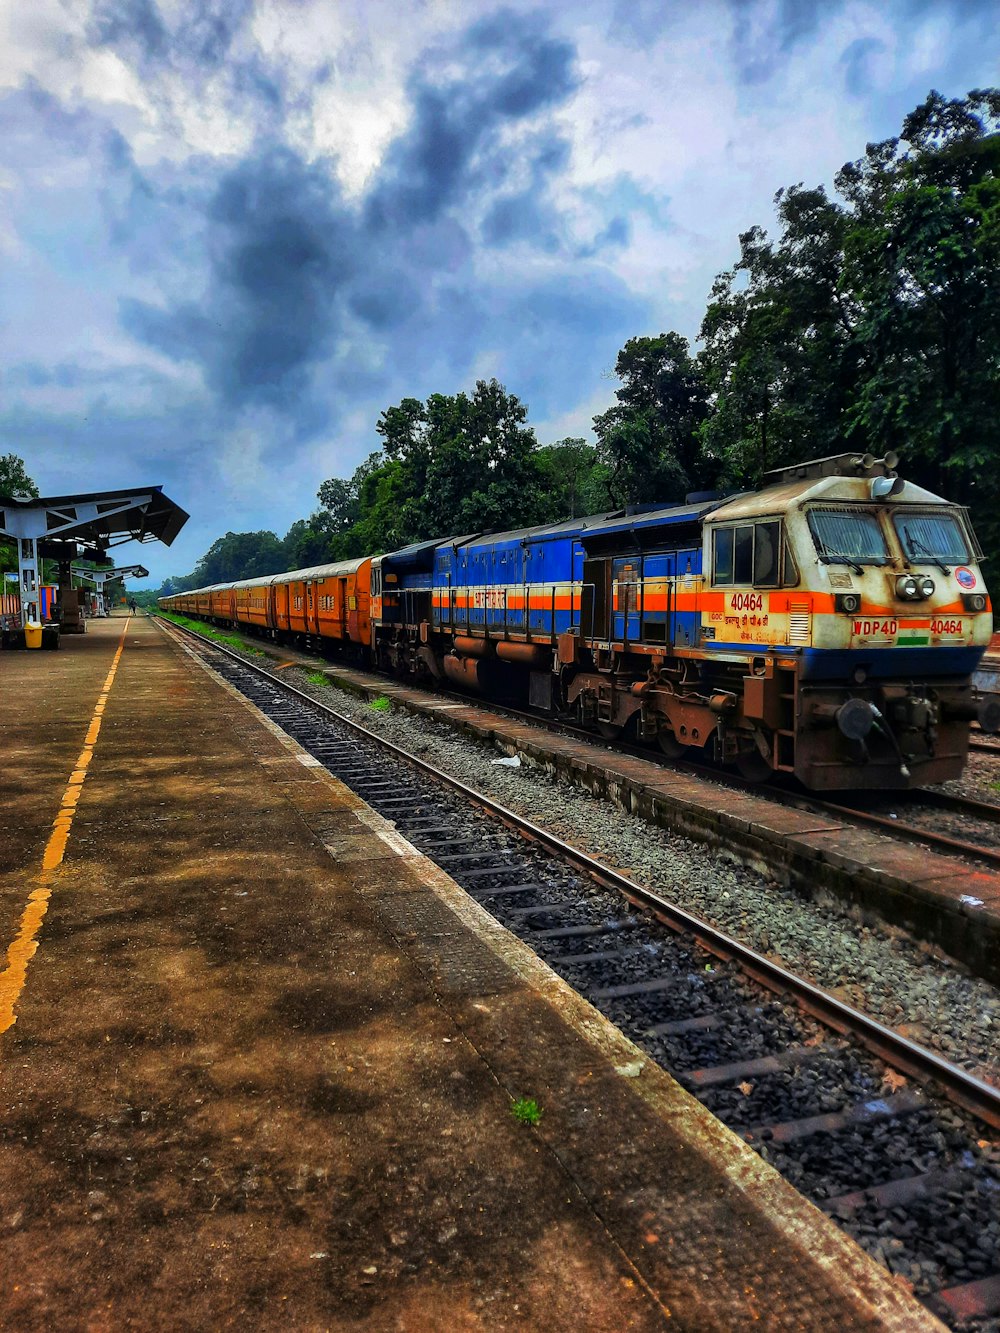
(848, 537)
(750, 553)
(931, 537)
(723, 538)
(743, 555)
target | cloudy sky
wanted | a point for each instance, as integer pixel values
(232, 231)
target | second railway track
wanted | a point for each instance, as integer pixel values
(822, 1091)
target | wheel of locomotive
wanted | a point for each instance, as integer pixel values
(669, 744)
(752, 766)
(609, 730)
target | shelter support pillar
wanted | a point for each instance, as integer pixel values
(29, 581)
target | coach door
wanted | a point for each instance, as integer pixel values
(686, 617)
(595, 601)
(626, 573)
(282, 605)
(312, 609)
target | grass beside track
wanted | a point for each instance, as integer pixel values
(210, 632)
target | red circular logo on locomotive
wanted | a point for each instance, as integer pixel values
(965, 577)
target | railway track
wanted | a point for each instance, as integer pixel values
(823, 1092)
(976, 840)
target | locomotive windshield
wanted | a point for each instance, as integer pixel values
(845, 537)
(934, 537)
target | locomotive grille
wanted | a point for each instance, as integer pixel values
(799, 622)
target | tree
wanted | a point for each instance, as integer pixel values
(239, 555)
(571, 478)
(873, 323)
(779, 343)
(14, 479)
(466, 463)
(649, 441)
(923, 260)
(307, 541)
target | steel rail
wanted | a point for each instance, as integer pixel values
(973, 1094)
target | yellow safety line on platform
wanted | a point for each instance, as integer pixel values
(23, 948)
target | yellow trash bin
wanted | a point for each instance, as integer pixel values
(32, 634)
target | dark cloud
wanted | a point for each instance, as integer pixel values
(519, 217)
(759, 51)
(202, 36)
(505, 70)
(528, 214)
(281, 247)
(192, 43)
(134, 27)
(290, 266)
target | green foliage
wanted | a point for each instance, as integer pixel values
(526, 1110)
(779, 354)
(317, 678)
(14, 480)
(380, 704)
(649, 442)
(210, 632)
(457, 463)
(923, 257)
(571, 479)
(239, 555)
(873, 323)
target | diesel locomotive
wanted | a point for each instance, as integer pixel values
(827, 625)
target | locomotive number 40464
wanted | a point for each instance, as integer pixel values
(748, 601)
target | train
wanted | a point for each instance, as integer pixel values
(825, 626)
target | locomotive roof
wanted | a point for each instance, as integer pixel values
(836, 490)
(610, 521)
(668, 516)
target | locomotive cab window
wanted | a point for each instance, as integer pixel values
(848, 537)
(934, 537)
(751, 553)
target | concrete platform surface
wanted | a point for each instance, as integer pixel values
(258, 1059)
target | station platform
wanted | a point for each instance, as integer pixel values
(258, 1057)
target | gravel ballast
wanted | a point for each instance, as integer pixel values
(877, 968)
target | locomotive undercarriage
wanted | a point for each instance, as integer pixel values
(759, 716)
(893, 734)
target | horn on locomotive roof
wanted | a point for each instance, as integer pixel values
(837, 465)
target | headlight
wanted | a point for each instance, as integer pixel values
(907, 588)
(848, 602)
(926, 587)
(974, 601)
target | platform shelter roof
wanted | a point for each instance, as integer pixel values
(97, 519)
